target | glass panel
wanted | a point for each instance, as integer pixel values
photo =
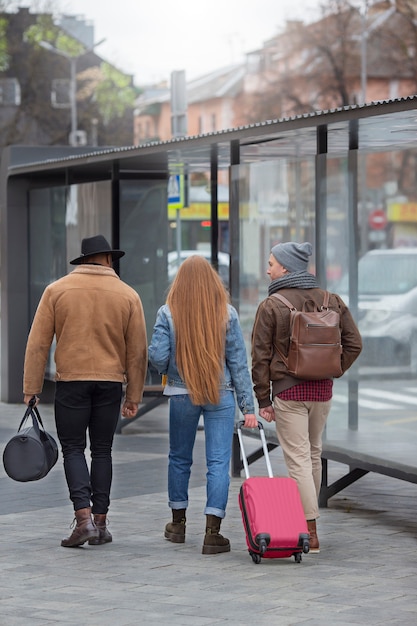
(144, 236)
(158, 235)
(276, 205)
(337, 243)
(47, 240)
(387, 312)
(387, 269)
(60, 217)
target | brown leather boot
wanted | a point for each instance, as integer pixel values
(314, 540)
(175, 530)
(85, 529)
(214, 542)
(104, 536)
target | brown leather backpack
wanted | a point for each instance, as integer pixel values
(315, 350)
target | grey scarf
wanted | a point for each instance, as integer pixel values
(297, 280)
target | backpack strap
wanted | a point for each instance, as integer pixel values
(325, 304)
(284, 300)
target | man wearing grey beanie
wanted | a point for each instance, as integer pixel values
(299, 407)
(293, 256)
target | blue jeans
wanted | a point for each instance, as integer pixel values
(82, 406)
(218, 429)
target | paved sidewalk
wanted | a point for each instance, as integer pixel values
(366, 572)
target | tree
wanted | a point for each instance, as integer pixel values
(111, 89)
(4, 53)
(107, 88)
(105, 96)
(320, 65)
(399, 42)
(314, 66)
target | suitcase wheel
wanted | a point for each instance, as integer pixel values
(256, 558)
(263, 540)
(304, 542)
(298, 557)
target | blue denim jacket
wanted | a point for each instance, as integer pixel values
(236, 374)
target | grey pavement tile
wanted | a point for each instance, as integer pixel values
(365, 573)
(11, 619)
(150, 615)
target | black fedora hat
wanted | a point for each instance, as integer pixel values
(96, 245)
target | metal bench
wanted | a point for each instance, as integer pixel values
(359, 460)
(152, 397)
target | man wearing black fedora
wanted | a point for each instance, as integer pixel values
(100, 332)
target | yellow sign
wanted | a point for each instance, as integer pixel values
(402, 212)
(199, 211)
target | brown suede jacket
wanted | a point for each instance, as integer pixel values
(272, 326)
(100, 332)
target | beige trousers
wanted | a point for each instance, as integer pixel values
(300, 428)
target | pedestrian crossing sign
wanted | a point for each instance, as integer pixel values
(176, 191)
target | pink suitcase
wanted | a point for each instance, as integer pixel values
(272, 513)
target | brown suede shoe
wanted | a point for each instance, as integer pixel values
(314, 540)
(104, 536)
(85, 529)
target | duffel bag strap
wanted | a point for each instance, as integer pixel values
(33, 411)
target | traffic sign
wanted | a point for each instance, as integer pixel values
(174, 190)
(377, 219)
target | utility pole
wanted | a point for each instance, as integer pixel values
(364, 45)
(73, 136)
(178, 104)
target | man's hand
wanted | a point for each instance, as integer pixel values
(267, 413)
(28, 398)
(129, 409)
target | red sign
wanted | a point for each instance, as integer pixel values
(377, 219)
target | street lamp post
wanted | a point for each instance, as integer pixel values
(364, 45)
(73, 99)
(73, 83)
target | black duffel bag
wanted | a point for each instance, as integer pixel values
(32, 452)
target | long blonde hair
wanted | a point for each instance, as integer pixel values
(198, 303)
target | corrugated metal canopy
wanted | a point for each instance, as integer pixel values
(383, 125)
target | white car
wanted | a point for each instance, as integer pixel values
(175, 260)
(387, 301)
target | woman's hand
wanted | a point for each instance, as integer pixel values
(250, 420)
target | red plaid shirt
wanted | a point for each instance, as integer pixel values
(309, 391)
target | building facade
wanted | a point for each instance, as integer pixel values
(346, 57)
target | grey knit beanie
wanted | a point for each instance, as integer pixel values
(293, 256)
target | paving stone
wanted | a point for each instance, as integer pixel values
(364, 575)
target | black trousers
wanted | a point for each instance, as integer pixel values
(93, 407)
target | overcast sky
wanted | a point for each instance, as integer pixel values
(152, 38)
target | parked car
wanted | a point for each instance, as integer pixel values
(387, 301)
(175, 260)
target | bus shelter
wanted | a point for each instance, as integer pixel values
(345, 180)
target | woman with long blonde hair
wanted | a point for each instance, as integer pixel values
(197, 343)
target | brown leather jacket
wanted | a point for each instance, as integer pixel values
(100, 332)
(272, 327)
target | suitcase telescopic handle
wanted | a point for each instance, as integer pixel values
(264, 447)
